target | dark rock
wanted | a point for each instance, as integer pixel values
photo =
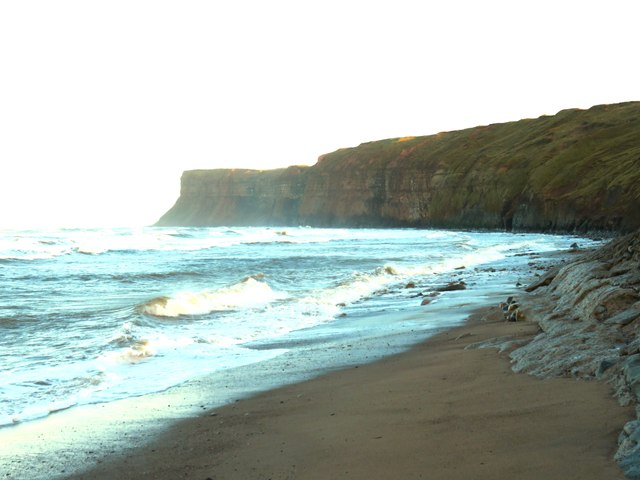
(452, 286)
(624, 317)
(628, 454)
(631, 467)
(544, 280)
(600, 311)
(631, 371)
(605, 365)
(630, 427)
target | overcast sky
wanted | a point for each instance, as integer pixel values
(103, 104)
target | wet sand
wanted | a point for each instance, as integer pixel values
(435, 412)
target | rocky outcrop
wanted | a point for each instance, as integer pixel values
(587, 315)
(588, 312)
(574, 171)
(592, 330)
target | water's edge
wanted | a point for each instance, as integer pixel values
(74, 440)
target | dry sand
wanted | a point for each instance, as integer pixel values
(435, 412)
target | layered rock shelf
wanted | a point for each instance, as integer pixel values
(588, 313)
(573, 171)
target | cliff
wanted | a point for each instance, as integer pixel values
(238, 197)
(577, 170)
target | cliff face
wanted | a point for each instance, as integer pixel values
(574, 171)
(238, 197)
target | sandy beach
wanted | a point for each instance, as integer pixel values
(436, 412)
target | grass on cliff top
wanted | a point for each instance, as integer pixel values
(573, 154)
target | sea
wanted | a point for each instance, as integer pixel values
(92, 316)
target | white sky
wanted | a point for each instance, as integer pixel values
(103, 104)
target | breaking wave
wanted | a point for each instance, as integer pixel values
(245, 294)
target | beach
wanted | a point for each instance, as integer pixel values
(438, 411)
(413, 379)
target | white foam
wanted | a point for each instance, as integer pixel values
(25, 247)
(139, 351)
(248, 293)
(91, 250)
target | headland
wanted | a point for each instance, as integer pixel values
(576, 171)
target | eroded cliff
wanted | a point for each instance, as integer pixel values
(574, 171)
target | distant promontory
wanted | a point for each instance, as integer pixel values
(578, 170)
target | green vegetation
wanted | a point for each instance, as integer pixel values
(584, 160)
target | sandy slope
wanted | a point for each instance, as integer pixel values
(436, 412)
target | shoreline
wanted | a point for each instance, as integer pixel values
(436, 411)
(172, 434)
(78, 439)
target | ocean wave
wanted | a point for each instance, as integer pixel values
(27, 247)
(10, 322)
(250, 292)
(88, 250)
(8, 260)
(31, 256)
(56, 389)
(37, 411)
(362, 285)
(140, 350)
(270, 242)
(329, 302)
(103, 241)
(132, 278)
(132, 350)
(180, 234)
